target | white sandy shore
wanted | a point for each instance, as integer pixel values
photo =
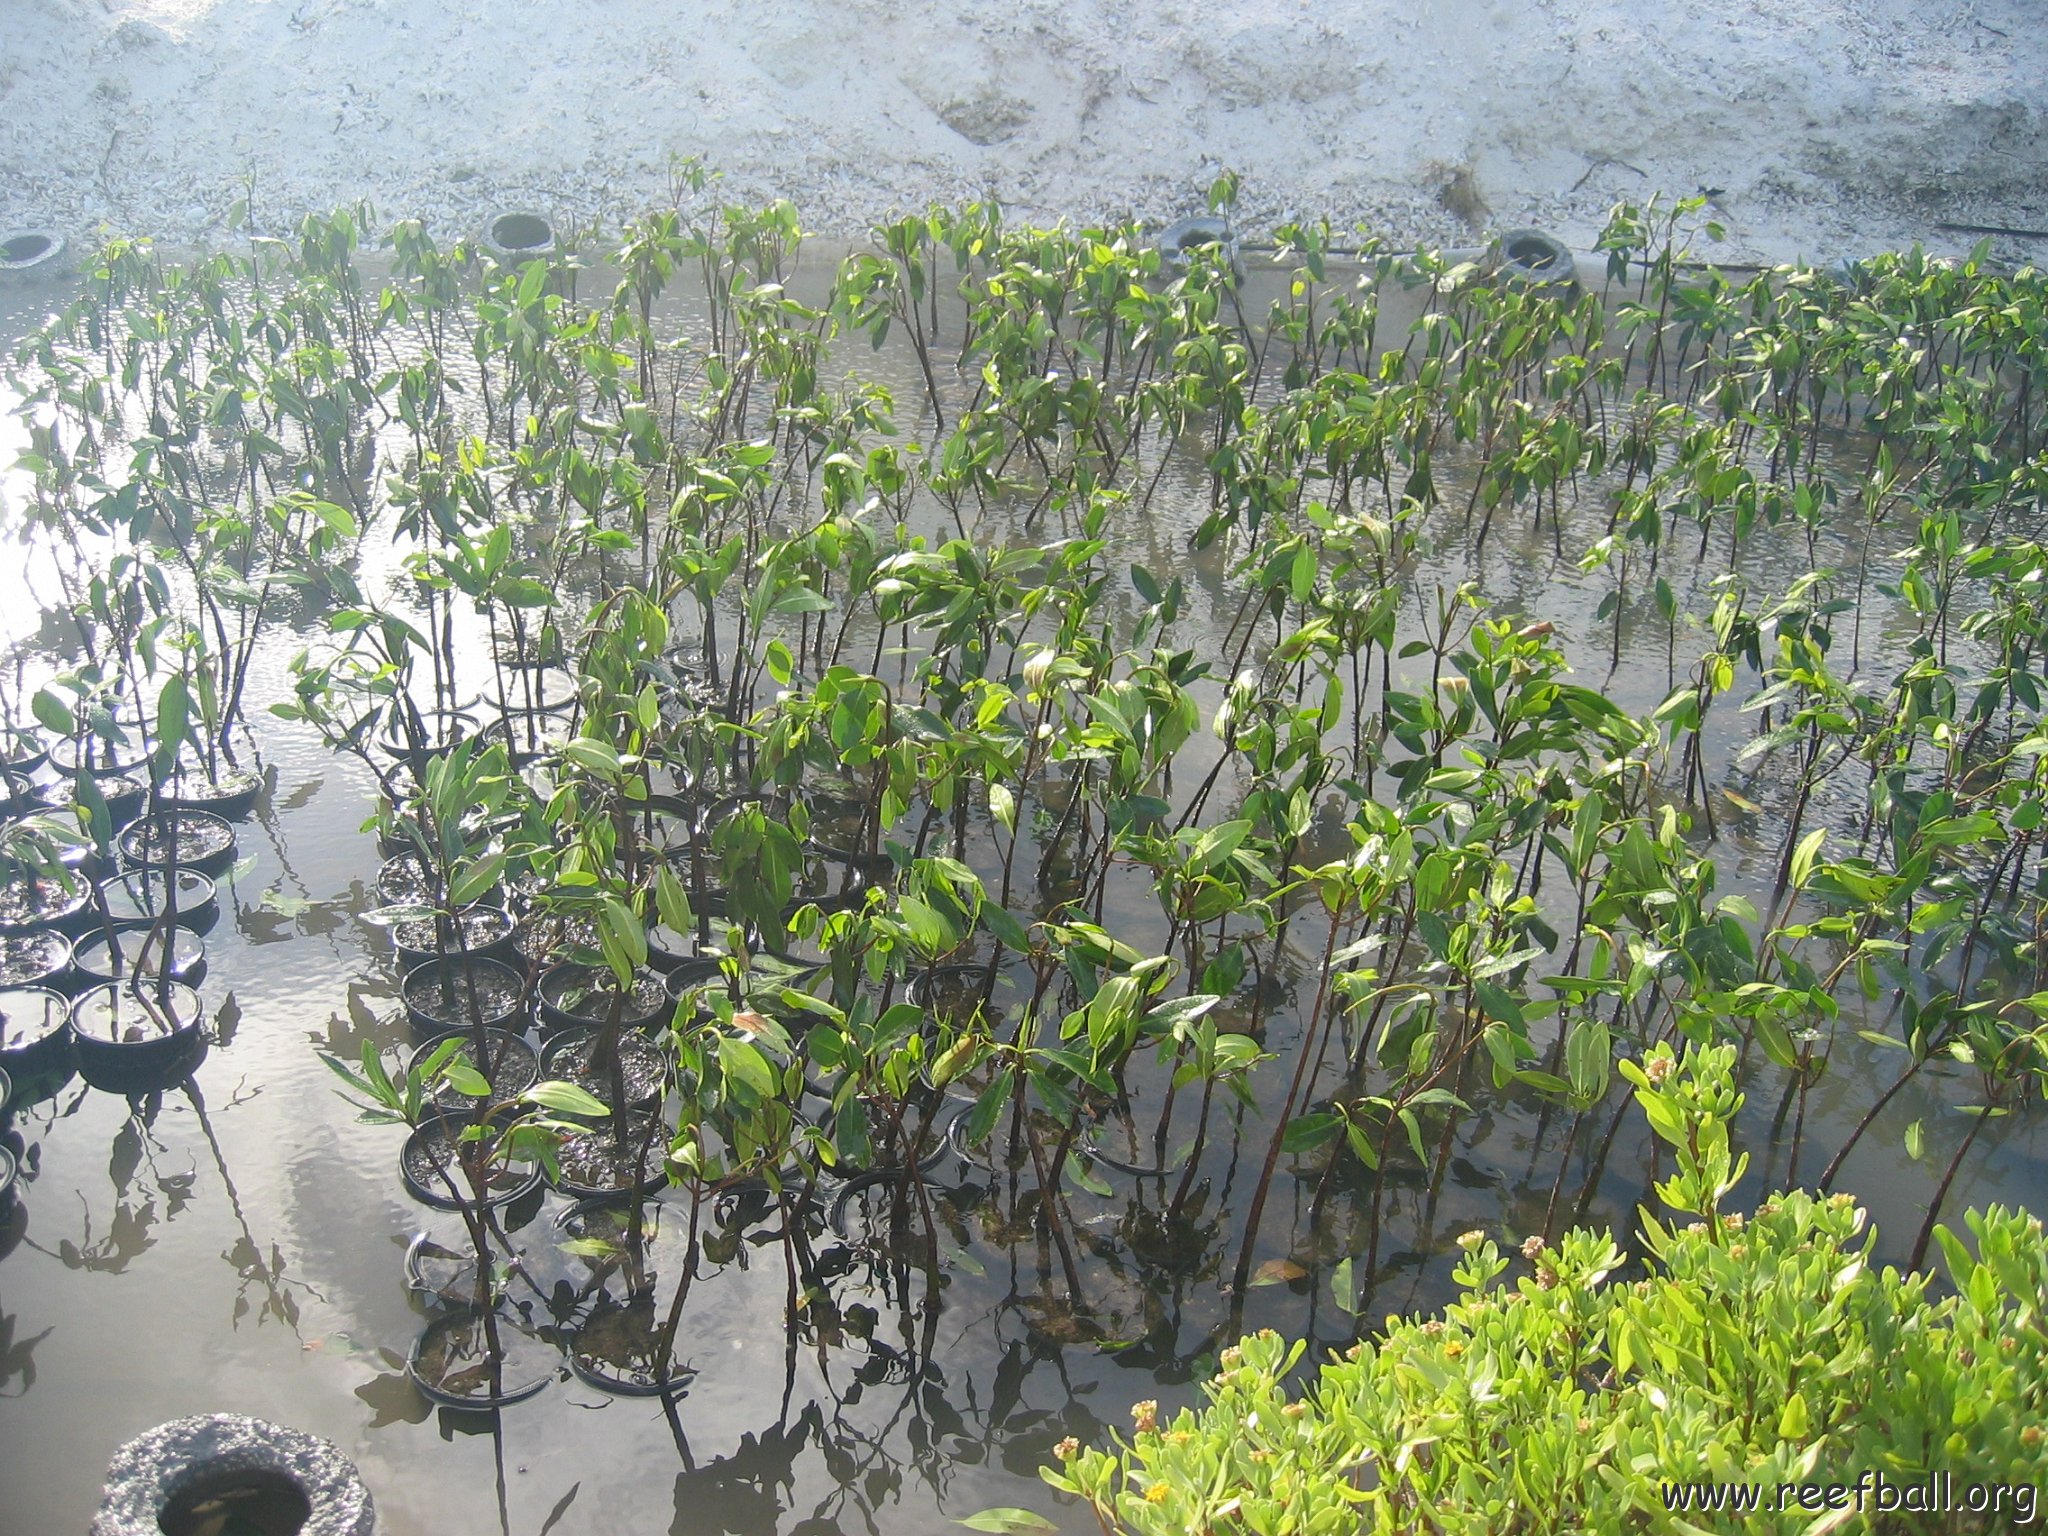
(1832, 127)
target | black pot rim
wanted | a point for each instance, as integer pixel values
(441, 1201)
(434, 1394)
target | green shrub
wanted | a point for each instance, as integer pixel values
(1754, 1353)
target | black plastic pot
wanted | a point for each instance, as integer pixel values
(43, 905)
(103, 757)
(434, 1008)
(10, 1175)
(35, 960)
(578, 996)
(35, 1031)
(450, 1363)
(231, 795)
(541, 939)
(486, 932)
(137, 900)
(6, 1102)
(441, 731)
(433, 1148)
(512, 1068)
(589, 1166)
(402, 882)
(204, 842)
(125, 1046)
(124, 793)
(142, 957)
(618, 1347)
(566, 1058)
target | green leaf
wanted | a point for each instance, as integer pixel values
(465, 1079)
(1002, 805)
(54, 713)
(567, 1099)
(1004, 1520)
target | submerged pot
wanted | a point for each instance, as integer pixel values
(141, 955)
(618, 1349)
(129, 1043)
(440, 995)
(35, 1031)
(138, 898)
(202, 841)
(577, 996)
(452, 1362)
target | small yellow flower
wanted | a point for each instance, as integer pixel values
(1471, 1240)
(1156, 1494)
(1145, 1415)
(1231, 1357)
(1453, 1349)
(2031, 1436)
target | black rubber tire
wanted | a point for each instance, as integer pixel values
(30, 250)
(1531, 258)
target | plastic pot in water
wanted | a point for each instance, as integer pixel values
(34, 960)
(133, 1040)
(404, 882)
(573, 996)
(35, 1031)
(568, 1058)
(457, 994)
(6, 1101)
(31, 250)
(618, 1349)
(138, 898)
(230, 794)
(201, 841)
(143, 955)
(485, 932)
(41, 905)
(591, 1164)
(125, 794)
(511, 1067)
(452, 1361)
(439, 732)
(435, 1164)
(545, 938)
(99, 757)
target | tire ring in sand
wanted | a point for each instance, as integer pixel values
(517, 235)
(1180, 239)
(24, 250)
(1533, 259)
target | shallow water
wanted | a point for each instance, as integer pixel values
(237, 1244)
